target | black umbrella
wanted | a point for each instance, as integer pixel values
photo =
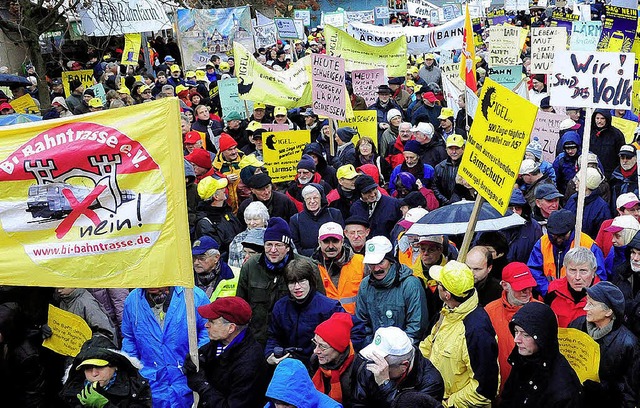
(13, 80)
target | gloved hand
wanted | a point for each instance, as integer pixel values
(90, 397)
(189, 366)
(46, 331)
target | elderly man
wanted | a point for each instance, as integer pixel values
(340, 268)
(568, 296)
(393, 364)
(480, 260)
(532, 178)
(547, 200)
(548, 253)
(393, 153)
(432, 150)
(540, 375)
(278, 204)
(444, 179)
(517, 284)
(212, 274)
(390, 295)
(462, 344)
(624, 178)
(262, 281)
(343, 196)
(382, 211)
(233, 372)
(356, 230)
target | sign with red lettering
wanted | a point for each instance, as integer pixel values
(327, 86)
(592, 79)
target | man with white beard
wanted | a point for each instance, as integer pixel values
(627, 278)
(624, 178)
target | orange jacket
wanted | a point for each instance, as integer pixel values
(351, 275)
(549, 261)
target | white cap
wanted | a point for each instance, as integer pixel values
(528, 166)
(424, 128)
(627, 200)
(594, 178)
(330, 230)
(566, 124)
(388, 341)
(412, 216)
(375, 249)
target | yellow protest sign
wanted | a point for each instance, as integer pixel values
(70, 331)
(365, 122)
(282, 152)
(290, 88)
(85, 76)
(97, 189)
(359, 55)
(25, 104)
(131, 49)
(627, 127)
(497, 142)
(581, 351)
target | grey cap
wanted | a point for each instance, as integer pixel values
(254, 237)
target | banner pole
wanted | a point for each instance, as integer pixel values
(334, 131)
(471, 226)
(584, 160)
(192, 333)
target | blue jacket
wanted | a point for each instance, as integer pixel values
(628, 115)
(547, 169)
(564, 165)
(426, 179)
(535, 262)
(384, 217)
(522, 240)
(162, 352)
(293, 324)
(620, 185)
(291, 384)
(596, 211)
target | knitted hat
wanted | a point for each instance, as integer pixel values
(307, 163)
(246, 173)
(535, 148)
(277, 230)
(259, 180)
(412, 146)
(200, 157)
(336, 331)
(346, 134)
(392, 114)
(609, 294)
(226, 142)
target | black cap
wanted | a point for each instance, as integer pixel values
(357, 220)
(259, 180)
(365, 183)
(560, 222)
(384, 89)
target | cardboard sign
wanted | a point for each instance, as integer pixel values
(304, 15)
(327, 86)
(366, 81)
(70, 332)
(546, 129)
(581, 351)
(282, 152)
(504, 45)
(286, 28)
(229, 100)
(25, 104)
(544, 42)
(497, 142)
(365, 122)
(627, 127)
(507, 76)
(592, 79)
(84, 75)
(585, 35)
(618, 29)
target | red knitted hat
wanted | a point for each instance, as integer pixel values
(200, 157)
(226, 142)
(336, 331)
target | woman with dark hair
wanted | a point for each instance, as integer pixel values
(294, 318)
(366, 152)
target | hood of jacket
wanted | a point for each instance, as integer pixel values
(538, 321)
(371, 170)
(571, 136)
(607, 116)
(317, 150)
(291, 384)
(397, 273)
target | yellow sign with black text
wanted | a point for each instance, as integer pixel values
(282, 152)
(365, 122)
(581, 351)
(69, 332)
(85, 76)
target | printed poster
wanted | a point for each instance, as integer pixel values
(618, 29)
(282, 152)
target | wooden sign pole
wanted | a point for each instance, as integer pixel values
(471, 227)
(584, 160)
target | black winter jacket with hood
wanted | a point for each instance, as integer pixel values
(606, 142)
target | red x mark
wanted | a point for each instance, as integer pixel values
(77, 209)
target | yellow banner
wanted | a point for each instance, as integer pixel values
(96, 201)
(25, 104)
(359, 55)
(85, 76)
(282, 152)
(365, 122)
(131, 49)
(627, 127)
(70, 331)
(290, 88)
(581, 351)
(497, 142)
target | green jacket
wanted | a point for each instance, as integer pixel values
(261, 288)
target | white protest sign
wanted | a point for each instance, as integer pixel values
(286, 28)
(504, 45)
(363, 16)
(265, 35)
(585, 35)
(300, 29)
(419, 8)
(544, 42)
(451, 11)
(335, 19)
(365, 83)
(382, 12)
(304, 15)
(117, 17)
(592, 79)
(546, 129)
(327, 86)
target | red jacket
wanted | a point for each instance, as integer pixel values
(604, 238)
(562, 303)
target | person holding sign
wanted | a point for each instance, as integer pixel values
(604, 322)
(540, 375)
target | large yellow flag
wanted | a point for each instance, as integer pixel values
(96, 200)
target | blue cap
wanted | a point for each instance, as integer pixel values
(169, 58)
(517, 198)
(547, 192)
(203, 244)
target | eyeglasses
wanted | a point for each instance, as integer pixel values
(321, 347)
(278, 245)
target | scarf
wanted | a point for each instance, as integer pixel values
(276, 267)
(628, 173)
(596, 332)
(335, 390)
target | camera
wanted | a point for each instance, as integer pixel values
(279, 352)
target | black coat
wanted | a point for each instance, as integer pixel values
(433, 152)
(219, 223)
(618, 353)
(236, 378)
(606, 142)
(424, 377)
(444, 180)
(621, 278)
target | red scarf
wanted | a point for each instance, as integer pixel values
(336, 388)
(630, 172)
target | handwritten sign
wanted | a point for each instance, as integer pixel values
(282, 152)
(592, 79)
(265, 35)
(544, 42)
(581, 351)
(85, 76)
(365, 122)
(366, 81)
(70, 332)
(546, 129)
(228, 89)
(504, 45)
(327, 86)
(275, 127)
(452, 72)
(585, 35)
(507, 76)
